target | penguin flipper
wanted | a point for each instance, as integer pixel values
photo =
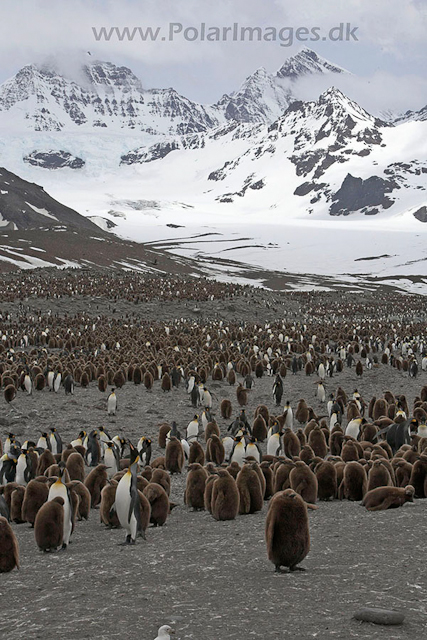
(134, 508)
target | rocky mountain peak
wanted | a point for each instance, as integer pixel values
(306, 62)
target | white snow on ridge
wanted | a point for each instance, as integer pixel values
(43, 212)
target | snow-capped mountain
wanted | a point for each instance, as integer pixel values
(411, 116)
(264, 96)
(307, 62)
(104, 96)
(39, 98)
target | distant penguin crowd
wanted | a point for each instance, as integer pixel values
(370, 450)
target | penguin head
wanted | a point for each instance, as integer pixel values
(61, 469)
(134, 455)
(110, 445)
(53, 429)
(82, 434)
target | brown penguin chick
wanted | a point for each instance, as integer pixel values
(350, 452)
(75, 466)
(148, 380)
(369, 432)
(242, 396)
(196, 453)
(162, 477)
(158, 463)
(402, 470)
(231, 377)
(371, 407)
(159, 501)
(16, 500)
(411, 455)
(147, 473)
(309, 428)
(379, 451)
(207, 495)
(388, 465)
(145, 511)
(211, 429)
(281, 475)
(250, 492)
(383, 498)
(9, 393)
(257, 468)
(45, 461)
(380, 409)
(84, 498)
(166, 382)
(301, 437)
(67, 452)
(36, 494)
(7, 491)
(163, 432)
(233, 469)
(304, 482)
(95, 481)
(419, 476)
(262, 410)
(9, 549)
(195, 486)
(108, 498)
(225, 497)
(102, 383)
(141, 483)
(326, 475)
(286, 530)
(354, 483)
(81, 449)
(317, 442)
(301, 412)
(306, 454)
(215, 451)
(385, 445)
(174, 456)
(378, 476)
(259, 428)
(226, 409)
(291, 443)
(339, 468)
(49, 525)
(267, 472)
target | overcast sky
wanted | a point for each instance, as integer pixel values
(388, 60)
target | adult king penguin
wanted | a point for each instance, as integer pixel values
(112, 403)
(59, 490)
(127, 503)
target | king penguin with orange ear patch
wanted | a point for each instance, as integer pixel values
(60, 490)
(127, 503)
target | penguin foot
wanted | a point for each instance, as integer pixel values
(63, 548)
(278, 569)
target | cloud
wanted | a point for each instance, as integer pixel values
(390, 52)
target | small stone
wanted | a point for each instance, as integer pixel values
(379, 616)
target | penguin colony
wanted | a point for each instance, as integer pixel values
(372, 450)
